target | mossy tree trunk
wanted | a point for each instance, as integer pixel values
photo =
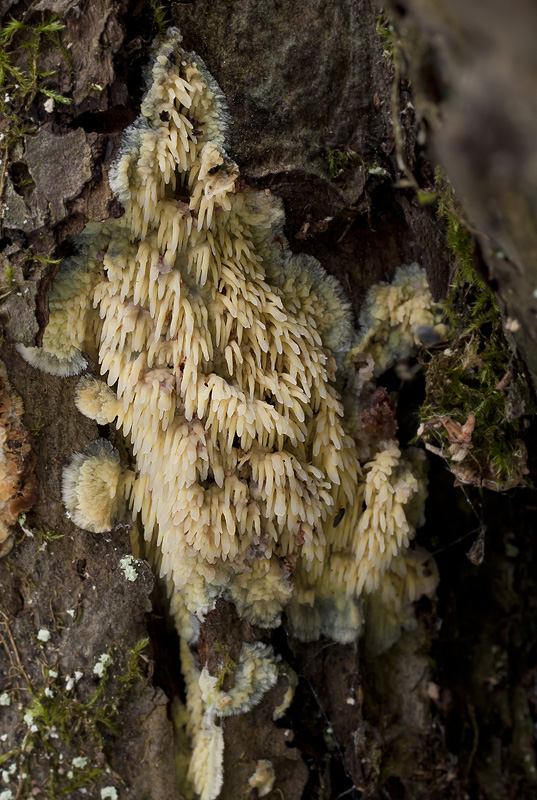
(325, 115)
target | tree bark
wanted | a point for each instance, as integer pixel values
(324, 115)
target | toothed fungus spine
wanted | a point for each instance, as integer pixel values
(214, 346)
(257, 672)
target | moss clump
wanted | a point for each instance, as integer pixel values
(339, 161)
(386, 33)
(22, 79)
(160, 16)
(229, 666)
(468, 415)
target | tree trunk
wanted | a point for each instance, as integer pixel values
(326, 117)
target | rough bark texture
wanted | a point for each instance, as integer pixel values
(449, 711)
(474, 73)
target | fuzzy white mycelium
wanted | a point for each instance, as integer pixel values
(220, 351)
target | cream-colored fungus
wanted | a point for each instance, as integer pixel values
(397, 317)
(263, 777)
(221, 351)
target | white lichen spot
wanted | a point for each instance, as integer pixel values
(52, 673)
(49, 692)
(102, 664)
(109, 793)
(127, 566)
(80, 762)
(7, 794)
(71, 612)
(29, 717)
(5, 699)
(43, 635)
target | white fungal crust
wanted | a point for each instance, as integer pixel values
(69, 331)
(90, 486)
(389, 610)
(70, 362)
(96, 400)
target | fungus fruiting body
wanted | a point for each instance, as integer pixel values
(90, 486)
(221, 353)
(397, 317)
(18, 484)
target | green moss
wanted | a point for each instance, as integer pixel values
(386, 33)
(134, 671)
(44, 537)
(474, 373)
(22, 83)
(19, 84)
(458, 237)
(8, 284)
(339, 162)
(22, 79)
(228, 667)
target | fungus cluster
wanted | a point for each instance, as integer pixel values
(397, 317)
(221, 353)
(18, 484)
(257, 672)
